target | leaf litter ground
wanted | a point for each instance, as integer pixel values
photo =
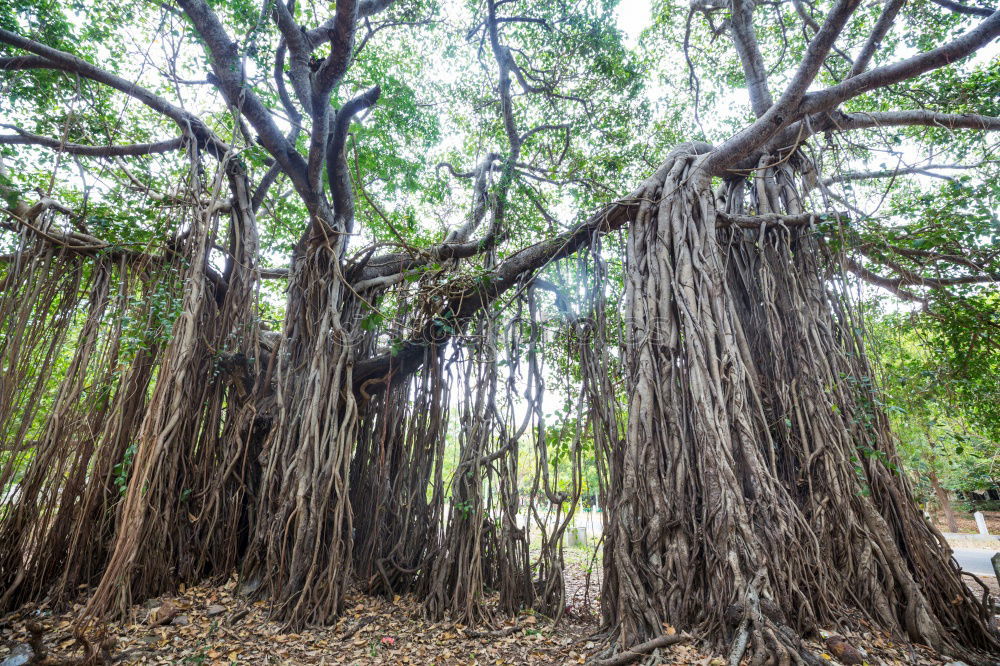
(214, 625)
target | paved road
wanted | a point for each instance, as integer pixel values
(975, 560)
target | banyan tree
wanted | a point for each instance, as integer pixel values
(262, 264)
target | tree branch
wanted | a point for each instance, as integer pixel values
(885, 21)
(341, 47)
(398, 263)
(913, 253)
(781, 113)
(274, 273)
(479, 201)
(745, 40)
(330, 73)
(295, 42)
(542, 128)
(504, 61)
(907, 278)
(842, 122)
(951, 121)
(755, 221)
(875, 252)
(228, 70)
(266, 181)
(29, 62)
(28, 139)
(926, 169)
(809, 21)
(338, 174)
(879, 281)
(880, 77)
(71, 241)
(320, 35)
(461, 307)
(964, 9)
(56, 59)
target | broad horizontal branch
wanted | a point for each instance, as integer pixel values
(888, 284)
(845, 122)
(915, 118)
(907, 278)
(512, 271)
(925, 169)
(755, 221)
(71, 241)
(23, 138)
(968, 10)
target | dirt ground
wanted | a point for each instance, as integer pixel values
(967, 524)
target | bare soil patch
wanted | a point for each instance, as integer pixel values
(967, 524)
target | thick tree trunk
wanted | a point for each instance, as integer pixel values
(757, 496)
(301, 547)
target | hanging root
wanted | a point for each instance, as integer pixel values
(479, 547)
(130, 488)
(167, 529)
(66, 464)
(750, 409)
(399, 455)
